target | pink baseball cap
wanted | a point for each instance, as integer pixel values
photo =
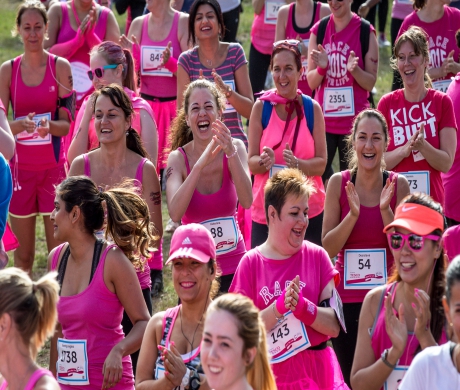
(192, 241)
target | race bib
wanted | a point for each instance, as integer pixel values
(395, 378)
(336, 303)
(442, 85)
(303, 75)
(81, 82)
(228, 106)
(152, 61)
(72, 364)
(365, 268)
(34, 139)
(339, 102)
(287, 339)
(272, 8)
(276, 168)
(224, 231)
(419, 181)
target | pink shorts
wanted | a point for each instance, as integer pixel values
(36, 195)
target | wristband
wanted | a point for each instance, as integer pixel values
(384, 359)
(186, 378)
(280, 305)
(321, 71)
(171, 64)
(305, 311)
(233, 154)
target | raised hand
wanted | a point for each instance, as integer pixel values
(211, 151)
(223, 137)
(353, 199)
(352, 61)
(292, 294)
(387, 194)
(167, 53)
(174, 365)
(319, 57)
(28, 123)
(396, 328)
(289, 158)
(267, 158)
(422, 315)
(43, 128)
(418, 139)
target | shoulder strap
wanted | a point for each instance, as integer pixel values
(309, 113)
(266, 113)
(322, 29)
(364, 37)
(87, 165)
(385, 175)
(62, 267)
(96, 257)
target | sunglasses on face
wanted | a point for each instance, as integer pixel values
(99, 72)
(288, 43)
(397, 240)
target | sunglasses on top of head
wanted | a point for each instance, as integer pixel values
(99, 72)
(396, 240)
(288, 43)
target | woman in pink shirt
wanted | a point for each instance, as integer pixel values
(406, 315)
(27, 318)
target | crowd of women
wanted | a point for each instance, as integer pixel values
(282, 268)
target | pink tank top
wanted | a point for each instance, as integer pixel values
(34, 153)
(293, 31)
(80, 59)
(36, 376)
(94, 315)
(379, 337)
(366, 234)
(217, 205)
(304, 149)
(143, 276)
(160, 86)
(263, 34)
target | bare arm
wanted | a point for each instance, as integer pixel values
(258, 5)
(254, 137)
(79, 143)
(366, 77)
(243, 100)
(183, 79)
(182, 31)
(177, 4)
(112, 32)
(53, 348)
(238, 166)
(317, 58)
(149, 135)
(77, 167)
(151, 193)
(440, 159)
(281, 23)
(7, 143)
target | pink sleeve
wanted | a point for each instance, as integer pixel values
(240, 57)
(328, 272)
(447, 115)
(242, 283)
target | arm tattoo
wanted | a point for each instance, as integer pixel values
(155, 197)
(374, 60)
(168, 173)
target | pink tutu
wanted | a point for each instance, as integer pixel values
(164, 112)
(312, 370)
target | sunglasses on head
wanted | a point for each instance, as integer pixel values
(336, 0)
(396, 240)
(99, 72)
(288, 43)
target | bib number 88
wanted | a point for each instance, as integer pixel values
(217, 232)
(68, 356)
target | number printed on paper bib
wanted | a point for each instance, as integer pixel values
(287, 339)
(34, 139)
(364, 268)
(152, 61)
(228, 106)
(395, 378)
(276, 168)
(81, 82)
(442, 85)
(338, 102)
(419, 181)
(224, 231)
(72, 364)
(272, 8)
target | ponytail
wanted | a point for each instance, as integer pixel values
(129, 73)
(181, 134)
(134, 143)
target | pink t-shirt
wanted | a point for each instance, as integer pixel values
(304, 149)
(293, 31)
(339, 95)
(401, 8)
(450, 179)
(263, 34)
(451, 242)
(441, 34)
(404, 118)
(263, 280)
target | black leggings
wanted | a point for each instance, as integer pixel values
(394, 30)
(128, 325)
(231, 22)
(383, 13)
(313, 233)
(345, 344)
(334, 141)
(258, 67)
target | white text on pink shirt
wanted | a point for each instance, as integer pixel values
(267, 296)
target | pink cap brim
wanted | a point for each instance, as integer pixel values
(188, 253)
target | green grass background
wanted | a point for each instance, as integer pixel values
(11, 46)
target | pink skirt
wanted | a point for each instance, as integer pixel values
(312, 370)
(164, 112)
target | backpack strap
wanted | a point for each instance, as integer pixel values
(322, 29)
(266, 113)
(364, 34)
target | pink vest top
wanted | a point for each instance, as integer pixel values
(95, 315)
(304, 149)
(293, 31)
(143, 276)
(219, 204)
(80, 59)
(366, 234)
(36, 376)
(262, 34)
(34, 153)
(160, 86)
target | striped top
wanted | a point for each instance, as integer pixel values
(236, 58)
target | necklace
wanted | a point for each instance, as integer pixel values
(194, 333)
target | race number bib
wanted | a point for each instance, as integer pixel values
(34, 138)
(81, 82)
(336, 303)
(276, 168)
(365, 268)
(442, 85)
(395, 378)
(152, 61)
(225, 233)
(339, 102)
(419, 181)
(72, 364)
(228, 106)
(272, 8)
(303, 75)
(287, 339)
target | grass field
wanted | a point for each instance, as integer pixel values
(10, 47)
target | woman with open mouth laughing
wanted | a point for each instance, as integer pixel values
(359, 203)
(170, 352)
(208, 174)
(405, 316)
(420, 119)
